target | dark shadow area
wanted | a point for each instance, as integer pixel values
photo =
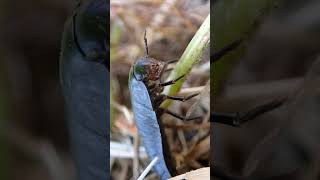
(33, 137)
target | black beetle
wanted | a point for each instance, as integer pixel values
(84, 75)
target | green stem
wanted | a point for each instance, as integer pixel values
(190, 57)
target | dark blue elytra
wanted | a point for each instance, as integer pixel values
(147, 124)
(85, 85)
(144, 70)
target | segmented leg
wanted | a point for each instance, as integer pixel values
(216, 56)
(181, 98)
(183, 118)
(236, 119)
(171, 82)
(159, 99)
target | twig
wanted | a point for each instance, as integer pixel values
(136, 156)
(121, 150)
(191, 56)
(191, 90)
(187, 127)
(148, 168)
(124, 110)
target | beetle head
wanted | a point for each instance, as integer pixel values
(147, 68)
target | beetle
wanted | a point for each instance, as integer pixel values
(145, 86)
(84, 78)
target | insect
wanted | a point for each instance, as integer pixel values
(236, 119)
(145, 86)
(85, 84)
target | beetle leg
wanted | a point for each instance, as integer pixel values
(171, 82)
(231, 119)
(181, 98)
(183, 118)
(216, 56)
(160, 98)
(236, 119)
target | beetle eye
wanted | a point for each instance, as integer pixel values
(139, 72)
(139, 69)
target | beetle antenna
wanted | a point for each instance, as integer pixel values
(146, 42)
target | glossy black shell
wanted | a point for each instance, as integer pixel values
(85, 86)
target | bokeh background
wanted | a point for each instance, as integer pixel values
(276, 60)
(33, 134)
(170, 25)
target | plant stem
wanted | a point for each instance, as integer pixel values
(190, 57)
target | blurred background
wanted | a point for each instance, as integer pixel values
(170, 26)
(276, 60)
(33, 134)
